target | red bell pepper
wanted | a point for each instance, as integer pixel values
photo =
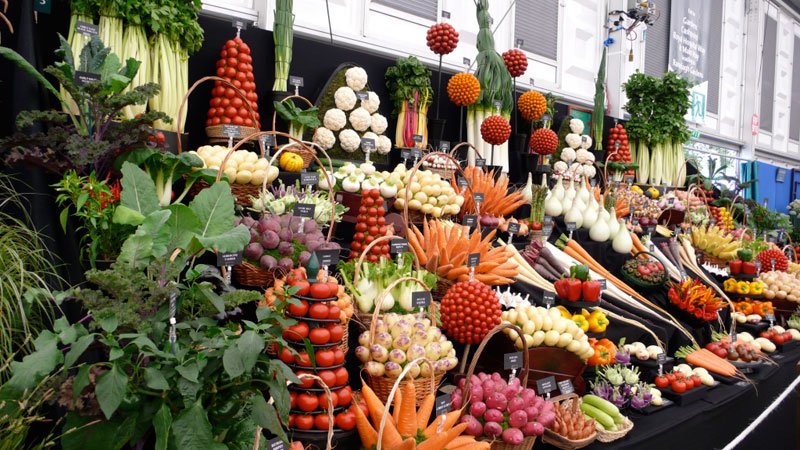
(591, 291)
(562, 288)
(736, 267)
(575, 289)
(748, 267)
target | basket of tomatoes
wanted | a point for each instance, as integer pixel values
(320, 414)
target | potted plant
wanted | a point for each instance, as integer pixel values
(409, 85)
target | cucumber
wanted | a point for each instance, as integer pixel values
(601, 404)
(601, 417)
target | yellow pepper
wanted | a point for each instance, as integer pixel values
(743, 288)
(581, 322)
(564, 312)
(756, 288)
(598, 322)
(585, 313)
(729, 285)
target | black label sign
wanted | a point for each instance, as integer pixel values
(512, 361)
(420, 299)
(548, 220)
(470, 220)
(267, 140)
(649, 229)
(547, 230)
(603, 284)
(566, 387)
(42, 6)
(549, 298)
(733, 338)
(635, 221)
(239, 24)
(513, 228)
(87, 29)
(276, 444)
(398, 246)
(445, 14)
(629, 179)
(229, 259)
(84, 78)
(416, 153)
(473, 259)
(478, 197)
(780, 176)
(770, 317)
(231, 131)
(368, 144)
(519, 42)
(480, 162)
(546, 385)
(772, 239)
(328, 257)
(498, 104)
(466, 61)
(362, 95)
(462, 182)
(309, 178)
(417, 138)
(295, 81)
(444, 146)
(661, 358)
(571, 226)
(443, 403)
(405, 153)
(758, 265)
(304, 210)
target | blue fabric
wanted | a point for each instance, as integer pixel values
(777, 194)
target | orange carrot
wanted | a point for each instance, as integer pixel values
(473, 445)
(408, 444)
(398, 403)
(407, 420)
(424, 411)
(374, 404)
(369, 437)
(440, 440)
(446, 423)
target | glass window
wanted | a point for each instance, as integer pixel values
(536, 23)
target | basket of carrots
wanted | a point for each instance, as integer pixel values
(572, 429)
(406, 426)
(497, 202)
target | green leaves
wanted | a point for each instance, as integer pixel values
(214, 209)
(77, 349)
(242, 357)
(266, 416)
(110, 390)
(657, 107)
(290, 112)
(192, 431)
(138, 190)
(162, 422)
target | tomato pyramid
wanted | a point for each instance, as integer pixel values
(227, 107)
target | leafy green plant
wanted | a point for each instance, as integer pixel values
(299, 119)
(94, 136)
(657, 107)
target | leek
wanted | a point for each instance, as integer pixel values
(599, 103)
(283, 35)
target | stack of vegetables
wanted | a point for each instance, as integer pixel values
(242, 166)
(575, 160)
(370, 225)
(444, 248)
(280, 199)
(618, 148)
(621, 385)
(716, 241)
(409, 85)
(428, 193)
(470, 309)
(498, 201)
(548, 328)
(781, 285)
(226, 106)
(571, 422)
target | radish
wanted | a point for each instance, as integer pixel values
(477, 409)
(513, 436)
(517, 419)
(493, 415)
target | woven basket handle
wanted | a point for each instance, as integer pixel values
(396, 386)
(319, 381)
(383, 295)
(476, 356)
(413, 172)
(224, 81)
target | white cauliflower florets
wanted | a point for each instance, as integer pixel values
(573, 140)
(378, 123)
(372, 102)
(559, 167)
(384, 145)
(324, 138)
(582, 155)
(335, 119)
(360, 119)
(589, 171)
(371, 135)
(349, 140)
(576, 126)
(567, 155)
(345, 98)
(586, 141)
(356, 78)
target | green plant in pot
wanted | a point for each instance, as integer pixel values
(91, 139)
(195, 382)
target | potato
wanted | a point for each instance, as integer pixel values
(243, 177)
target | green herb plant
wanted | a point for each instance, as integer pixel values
(298, 119)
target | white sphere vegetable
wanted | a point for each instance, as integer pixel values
(349, 140)
(360, 119)
(334, 119)
(356, 78)
(324, 138)
(372, 102)
(383, 145)
(345, 98)
(378, 123)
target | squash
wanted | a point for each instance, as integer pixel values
(291, 162)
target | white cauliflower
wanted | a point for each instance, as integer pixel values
(559, 167)
(324, 138)
(360, 119)
(576, 126)
(573, 140)
(335, 119)
(589, 171)
(345, 98)
(582, 155)
(373, 136)
(576, 170)
(349, 140)
(586, 142)
(590, 158)
(384, 145)
(378, 123)
(567, 154)
(356, 78)
(372, 102)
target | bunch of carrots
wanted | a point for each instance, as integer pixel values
(407, 427)
(701, 357)
(444, 248)
(498, 202)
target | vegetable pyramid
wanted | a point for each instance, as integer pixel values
(226, 106)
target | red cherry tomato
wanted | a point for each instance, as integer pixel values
(345, 396)
(304, 422)
(338, 356)
(321, 421)
(679, 386)
(346, 420)
(342, 376)
(307, 402)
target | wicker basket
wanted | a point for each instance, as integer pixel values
(306, 152)
(556, 440)
(251, 275)
(383, 385)
(216, 135)
(610, 436)
(442, 286)
(528, 442)
(414, 216)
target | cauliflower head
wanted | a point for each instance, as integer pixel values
(560, 167)
(335, 119)
(582, 155)
(349, 140)
(576, 126)
(384, 145)
(573, 140)
(589, 171)
(345, 98)
(378, 123)
(586, 142)
(324, 138)
(568, 154)
(372, 102)
(360, 119)
(356, 78)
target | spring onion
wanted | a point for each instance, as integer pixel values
(282, 35)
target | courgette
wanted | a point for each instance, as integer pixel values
(601, 417)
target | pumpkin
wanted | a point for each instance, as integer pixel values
(291, 162)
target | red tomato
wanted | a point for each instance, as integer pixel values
(323, 400)
(320, 290)
(662, 382)
(304, 422)
(230, 93)
(696, 380)
(292, 400)
(346, 420)
(237, 120)
(230, 72)
(296, 332)
(241, 76)
(318, 310)
(237, 84)
(224, 102)
(319, 336)
(220, 71)
(286, 356)
(307, 402)
(324, 358)
(230, 112)
(321, 421)
(231, 62)
(338, 356)
(689, 384)
(671, 377)
(244, 113)
(328, 377)
(248, 122)
(333, 310)
(341, 376)
(215, 121)
(291, 420)
(299, 310)
(345, 396)
(375, 193)
(303, 360)
(305, 382)
(225, 120)
(230, 43)
(679, 386)
(237, 102)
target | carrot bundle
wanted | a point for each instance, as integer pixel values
(444, 249)
(497, 201)
(701, 357)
